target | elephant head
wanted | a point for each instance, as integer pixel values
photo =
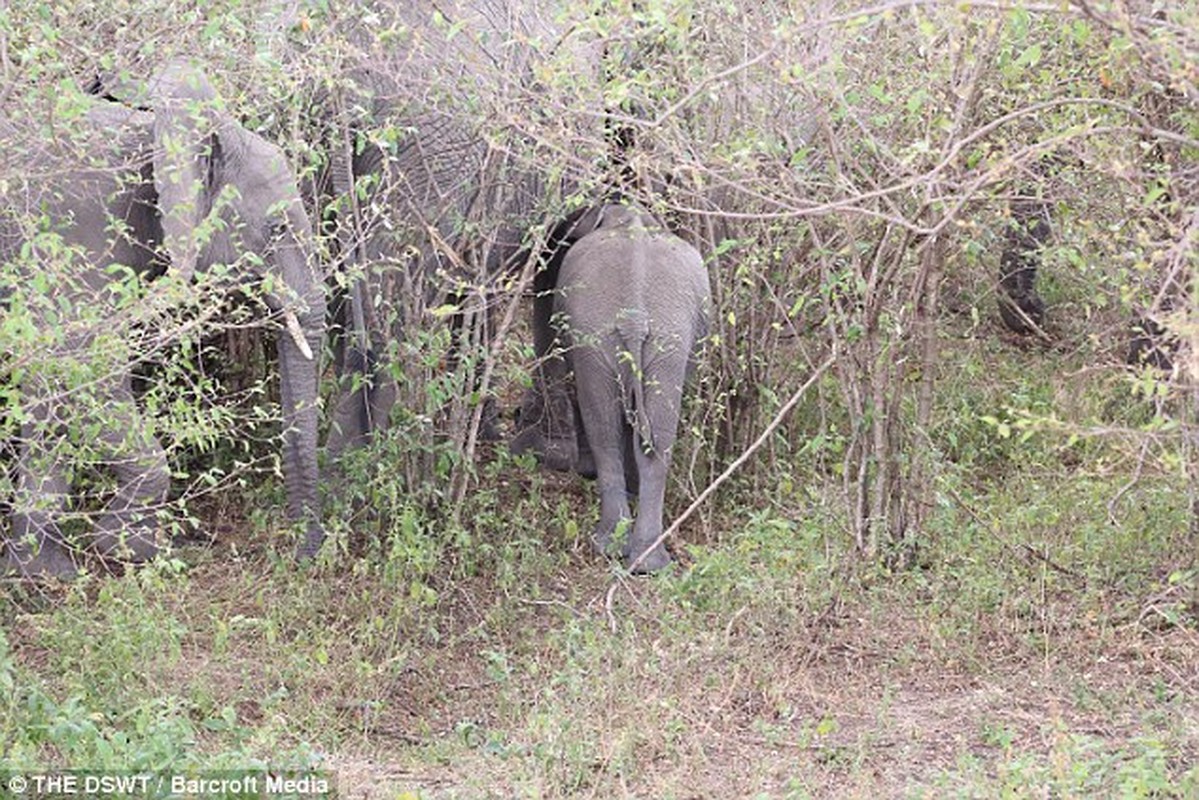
(435, 179)
(209, 170)
(190, 187)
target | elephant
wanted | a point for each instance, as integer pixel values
(1021, 308)
(169, 184)
(630, 307)
(432, 198)
(547, 421)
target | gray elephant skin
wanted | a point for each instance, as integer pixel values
(438, 215)
(630, 309)
(183, 187)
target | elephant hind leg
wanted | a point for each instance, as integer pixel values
(606, 429)
(662, 398)
(643, 543)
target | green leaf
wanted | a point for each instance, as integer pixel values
(1030, 57)
(444, 311)
(1155, 192)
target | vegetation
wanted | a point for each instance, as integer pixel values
(963, 564)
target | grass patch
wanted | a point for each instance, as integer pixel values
(1044, 644)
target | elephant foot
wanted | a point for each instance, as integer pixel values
(559, 455)
(489, 424)
(604, 546)
(611, 540)
(310, 545)
(50, 560)
(653, 561)
(585, 464)
(135, 544)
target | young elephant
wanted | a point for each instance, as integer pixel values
(631, 305)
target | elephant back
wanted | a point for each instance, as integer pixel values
(630, 267)
(102, 154)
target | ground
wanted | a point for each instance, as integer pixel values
(1043, 643)
(854, 707)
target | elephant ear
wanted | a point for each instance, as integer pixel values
(186, 118)
(581, 223)
(606, 215)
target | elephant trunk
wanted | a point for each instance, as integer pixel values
(298, 397)
(303, 312)
(342, 169)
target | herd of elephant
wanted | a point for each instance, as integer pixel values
(171, 186)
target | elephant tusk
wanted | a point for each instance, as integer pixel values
(297, 333)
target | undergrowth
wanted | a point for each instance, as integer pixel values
(491, 650)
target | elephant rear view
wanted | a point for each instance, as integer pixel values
(631, 307)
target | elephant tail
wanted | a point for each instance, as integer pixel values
(634, 335)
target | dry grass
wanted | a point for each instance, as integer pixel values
(753, 710)
(1037, 650)
(530, 693)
